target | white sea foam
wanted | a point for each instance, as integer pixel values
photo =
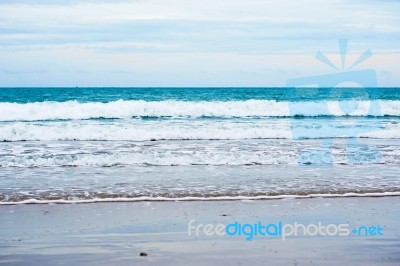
(153, 158)
(196, 130)
(127, 109)
(155, 130)
(218, 198)
(230, 153)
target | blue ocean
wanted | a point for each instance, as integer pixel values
(132, 144)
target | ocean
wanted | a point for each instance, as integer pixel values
(131, 144)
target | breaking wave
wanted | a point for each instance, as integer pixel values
(251, 108)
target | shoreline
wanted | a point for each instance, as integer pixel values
(202, 199)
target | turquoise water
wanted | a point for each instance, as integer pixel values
(25, 95)
(75, 144)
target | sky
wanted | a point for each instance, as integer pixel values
(168, 43)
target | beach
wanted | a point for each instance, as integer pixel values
(116, 233)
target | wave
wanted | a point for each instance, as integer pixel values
(197, 130)
(153, 158)
(194, 109)
(212, 156)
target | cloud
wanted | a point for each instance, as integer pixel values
(115, 29)
(58, 2)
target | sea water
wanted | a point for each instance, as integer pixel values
(100, 144)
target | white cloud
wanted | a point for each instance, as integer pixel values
(95, 30)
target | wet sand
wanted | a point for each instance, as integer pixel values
(116, 233)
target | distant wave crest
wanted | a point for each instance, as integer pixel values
(190, 109)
